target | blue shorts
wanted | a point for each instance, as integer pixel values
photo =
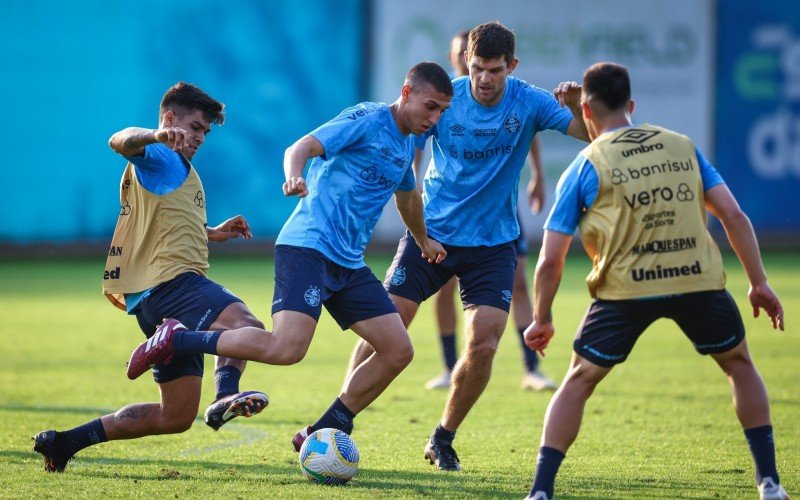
(610, 328)
(485, 274)
(305, 280)
(195, 301)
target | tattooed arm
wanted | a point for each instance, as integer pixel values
(132, 140)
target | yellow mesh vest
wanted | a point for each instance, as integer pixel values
(157, 236)
(646, 231)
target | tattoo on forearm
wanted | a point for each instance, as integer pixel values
(140, 140)
(136, 412)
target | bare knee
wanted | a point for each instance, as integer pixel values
(483, 349)
(176, 424)
(289, 355)
(582, 380)
(735, 361)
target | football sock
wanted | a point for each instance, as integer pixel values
(189, 342)
(449, 350)
(762, 447)
(442, 435)
(529, 356)
(547, 464)
(226, 380)
(338, 416)
(74, 440)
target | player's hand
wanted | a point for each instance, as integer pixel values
(433, 251)
(174, 137)
(295, 186)
(762, 297)
(536, 195)
(538, 335)
(568, 94)
(231, 228)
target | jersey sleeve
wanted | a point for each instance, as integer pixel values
(409, 182)
(575, 193)
(348, 128)
(550, 115)
(708, 173)
(159, 169)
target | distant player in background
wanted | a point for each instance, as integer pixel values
(360, 159)
(157, 267)
(639, 197)
(444, 300)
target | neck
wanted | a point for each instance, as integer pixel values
(612, 122)
(394, 108)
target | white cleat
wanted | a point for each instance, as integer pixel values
(770, 490)
(539, 495)
(537, 381)
(440, 382)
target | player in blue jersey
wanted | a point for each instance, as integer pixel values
(642, 221)
(470, 197)
(160, 257)
(360, 159)
(444, 300)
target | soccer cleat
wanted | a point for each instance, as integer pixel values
(537, 381)
(241, 404)
(442, 455)
(770, 490)
(440, 382)
(300, 438)
(156, 350)
(55, 457)
(539, 495)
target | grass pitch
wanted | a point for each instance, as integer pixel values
(661, 425)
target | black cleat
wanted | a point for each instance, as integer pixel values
(241, 404)
(55, 457)
(442, 455)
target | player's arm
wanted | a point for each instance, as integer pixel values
(232, 228)
(294, 162)
(409, 205)
(546, 280)
(569, 95)
(536, 184)
(132, 140)
(721, 203)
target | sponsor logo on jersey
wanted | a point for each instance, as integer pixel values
(663, 273)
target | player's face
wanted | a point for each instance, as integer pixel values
(487, 78)
(424, 107)
(196, 125)
(457, 48)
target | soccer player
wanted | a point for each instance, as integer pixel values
(470, 196)
(360, 159)
(157, 268)
(639, 197)
(444, 300)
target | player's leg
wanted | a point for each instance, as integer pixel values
(444, 304)
(522, 312)
(713, 323)
(363, 350)
(605, 338)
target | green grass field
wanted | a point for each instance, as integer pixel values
(661, 425)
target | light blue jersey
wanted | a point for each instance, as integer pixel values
(577, 190)
(470, 189)
(366, 160)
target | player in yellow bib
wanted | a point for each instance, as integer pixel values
(639, 197)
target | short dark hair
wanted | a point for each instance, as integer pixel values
(490, 41)
(186, 98)
(432, 73)
(609, 83)
(462, 36)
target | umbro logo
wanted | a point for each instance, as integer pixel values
(386, 152)
(635, 136)
(457, 130)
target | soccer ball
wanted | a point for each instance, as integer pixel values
(329, 456)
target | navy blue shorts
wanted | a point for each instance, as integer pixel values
(195, 301)
(305, 280)
(485, 274)
(610, 328)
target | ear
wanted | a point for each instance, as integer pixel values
(169, 118)
(513, 65)
(405, 91)
(631, 105)
(587, 111)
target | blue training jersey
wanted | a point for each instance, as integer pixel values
(470, 189)
(161, 171)
(577, 190)
(366, 160)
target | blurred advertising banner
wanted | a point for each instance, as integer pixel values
(758, 110)
(667, 46)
